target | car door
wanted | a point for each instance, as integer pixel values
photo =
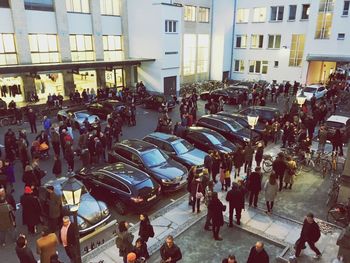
(120, 153)
(113, 185)
(199, 141)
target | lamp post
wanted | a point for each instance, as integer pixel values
(252, 121)
(301, 100)
(71, 190)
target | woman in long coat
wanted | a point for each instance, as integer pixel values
(216, 209)
(146, 229)
(238, 160)
(271, 189)
(30, 210)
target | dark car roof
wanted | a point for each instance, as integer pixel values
(138, 145)
(264, 108)
(232, 115)
(202, 129)
(219, 118)
(116, 102)
(128, 173)
(163, 136)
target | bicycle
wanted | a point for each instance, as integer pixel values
(333, 191)
(339, 214)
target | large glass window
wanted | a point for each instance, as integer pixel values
(42, 5)
(324, 19)
(78, 6)
(274, 41)
(346, 8)
(257, 66)
(189, 54)
(4, 3)
(257, 41)
(259, 14)
(44, 48)
(190, 13)
(203, 14)
(296, 50)
(8, 54)
(242, 15)
(239, 65)
(110, 7)
(292, 12)
(277, 13)
(203, 53)
(305, 12)
(81, 47)
(112, 46)
(241, 41)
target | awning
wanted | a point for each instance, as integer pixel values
(328, 58)
(73, 66)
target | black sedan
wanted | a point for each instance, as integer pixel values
(147, 157)
(177, 148)
(125, 187)
(208, 140)
(156, 102)
(103, 108)
(229, 128)
(265, 113)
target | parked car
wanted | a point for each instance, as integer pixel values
(79, 117)
(126, 187)
(243, 120)
(147, 157)
(265, 113)
(230, 129)
(155, 102)
(177, 148)
(317, 89)
(91, 213)
(335, 122)
(103, 108)
(208, 140)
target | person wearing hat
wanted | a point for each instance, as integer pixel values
(30, 210)
(46, 245)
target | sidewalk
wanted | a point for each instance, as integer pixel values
(178, 217)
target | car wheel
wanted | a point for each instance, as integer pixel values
(120, 207)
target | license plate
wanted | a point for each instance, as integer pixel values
(151, 198)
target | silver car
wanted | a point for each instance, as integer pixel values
(79, 116)
(91, 213)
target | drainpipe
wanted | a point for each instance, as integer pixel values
(233, 35)
(211, 35)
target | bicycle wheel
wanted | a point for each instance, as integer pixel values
(317, 164)
(306, 165)
(267, 166)
(326, 164)
(338, 215)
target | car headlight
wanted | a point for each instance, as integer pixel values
(105, 212)
(166, 181)
(83, 225)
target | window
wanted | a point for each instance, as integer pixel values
(341, 36)
(112, 46)
(81, 47)
(43, 48)
(324, 19)
(257, 66)
(259, 14)
(277, 13)
(257, 41)
(189, 54)
(78, 6)
(346, 8)
(42, 5)
(296, 50)
(242, 15)
(292, 12)
(8, 54)
(274, 41)
(305, 12)
(190, 13)
(4, 3)
(275, 64)
(239, 65)
(203, 14)
(170, 26)
(203, 53)
(241, 41)
(110, 7)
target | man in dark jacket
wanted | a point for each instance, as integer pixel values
(208, 163)
(254, 186)
(216, 209)
(170, 252)
(32, 120)
(279, 166)
(24, 253)
(258, 254)
(235, 197)
(310, 233)
(68, 239)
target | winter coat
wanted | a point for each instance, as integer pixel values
(25, 255)
(7, 216)
(196, 187)
(46, 246)
(10, 173)
(123, 241)
(55, 205)
(30, 210)
(146, 230)
(255, 256)
(216, 209)
(310, 232)
(57, 167)
(259, 154)
(279, 166)
(173, 252)
(248, 153)
(322, 136)
(30, 179)
(254, 182)
(141, 251)
(290, 172)
(270, 191)
(238, 159)
(235, 197)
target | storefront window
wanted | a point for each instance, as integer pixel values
(44, 48)
(8, 54)
(11, 88)
(46, 84)
(114, 78)
(85, 80)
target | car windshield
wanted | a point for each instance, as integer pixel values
(269, 115)
(81, 115)
(335, 125)
(216, 140)
(310, 89)
(154, 158)
(182, 146)
(235, 126)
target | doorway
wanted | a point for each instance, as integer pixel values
(170, 86)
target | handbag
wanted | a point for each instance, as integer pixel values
(43, 146)
(199, 195)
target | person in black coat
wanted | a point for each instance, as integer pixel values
(140, 249)
(69, 240)
(24, 253)
(208, 163)
(337, 142)
(310, 233)
(259, 154)
(169, 251)
(31, 210)
(229, 259)
(57, 166)
(254, 186)
(235, 197)
(146, 229)
(279, 166)
(258, 254)
(216, 208)
(32, 120)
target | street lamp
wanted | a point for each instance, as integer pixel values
(301, 100)
(252, 121)
(71, 190)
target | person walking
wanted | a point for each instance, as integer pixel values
(46, 245)
(310, 233)
(258, 254)
(69, 156)
(279, 166)
(169, 251)
(271, 189)
(238, 160)
(68, 239)
(207, 199)
(31, 210)
(196, 193)
(235, 197)
(216, 165)
(290, 173)
(55, 140)
(259, 154)
(32, 120)
(322, 138)
(146, 229)
(124, 240)
(248, 157)
(55, 208)
(191, 175)
(57, 166)
(24, 253)
(216, 208)
(254, 186)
